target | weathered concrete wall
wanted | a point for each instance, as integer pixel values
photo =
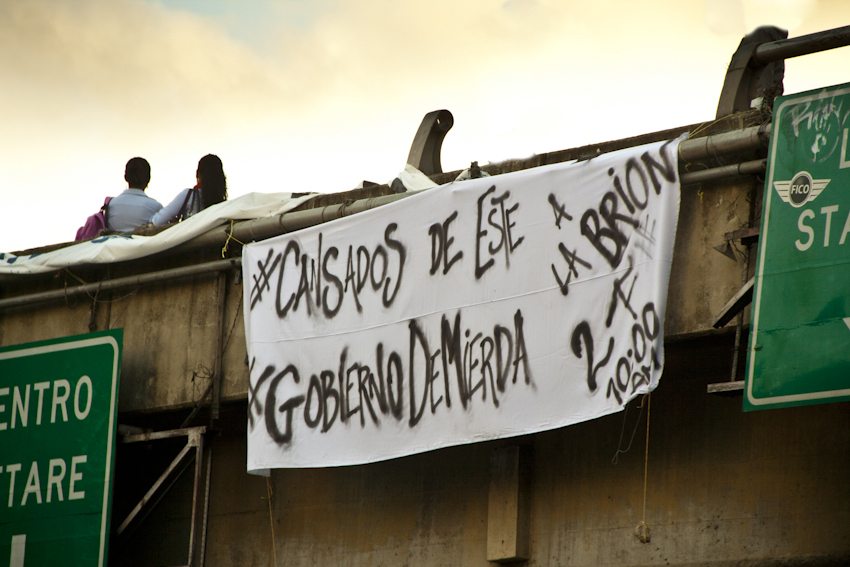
(702, 280)
(724, 488)
(170, 336)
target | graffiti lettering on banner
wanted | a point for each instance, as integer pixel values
(483, 309)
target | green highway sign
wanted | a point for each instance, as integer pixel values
(799, 351)
(58, 404)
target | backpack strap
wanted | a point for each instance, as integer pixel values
(182, 214)
(105, 210)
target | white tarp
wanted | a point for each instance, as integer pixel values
(476, 310)
(120, 247)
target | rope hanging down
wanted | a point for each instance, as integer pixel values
(642, 530)
(271, 519)
(229, 238)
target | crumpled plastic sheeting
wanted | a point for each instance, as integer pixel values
(121, 247)
(414, 180)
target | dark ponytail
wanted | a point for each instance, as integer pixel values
(212, 179)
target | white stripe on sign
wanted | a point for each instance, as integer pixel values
(19, 543)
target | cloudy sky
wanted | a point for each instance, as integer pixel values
(318, 95)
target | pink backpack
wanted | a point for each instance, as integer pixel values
(94, 224)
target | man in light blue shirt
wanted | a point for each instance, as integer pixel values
(133, 208)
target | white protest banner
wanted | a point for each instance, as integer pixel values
(476, 310)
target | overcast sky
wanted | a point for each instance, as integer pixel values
(318, 95)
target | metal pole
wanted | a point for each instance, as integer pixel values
(129, 281)
(219, 347)
(803, 45)
(153, 490)
(206, 509)
(746, 168)
(199, 463)
(738, 141)
(260, 229)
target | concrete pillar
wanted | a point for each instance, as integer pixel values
(508, 517)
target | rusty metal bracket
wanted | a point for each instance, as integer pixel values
(427, 144)
(747, 236)
(741, 299)
(193, 449)
(735, 387)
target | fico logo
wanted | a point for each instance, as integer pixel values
(801, 189)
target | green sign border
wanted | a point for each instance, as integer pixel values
(750, 401)
(113, 338)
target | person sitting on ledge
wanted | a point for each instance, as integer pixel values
(133, 208)
(211, 188)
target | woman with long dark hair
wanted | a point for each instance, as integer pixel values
(210, 189)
